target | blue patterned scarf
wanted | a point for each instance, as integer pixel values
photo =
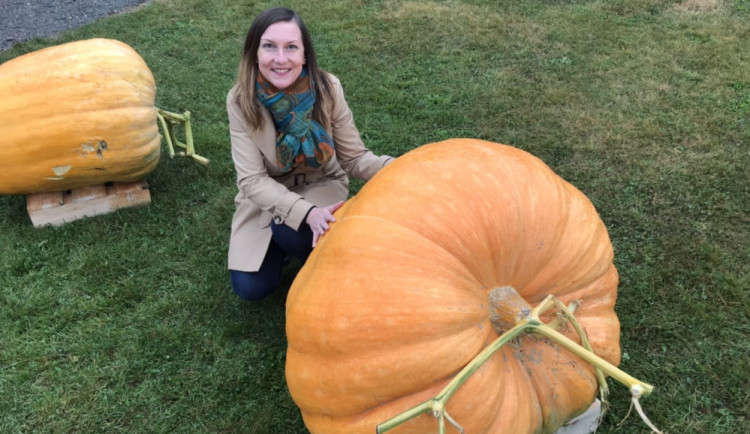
(299, 139)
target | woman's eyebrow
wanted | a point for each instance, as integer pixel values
(289, 41)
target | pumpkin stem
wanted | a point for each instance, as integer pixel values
(512, 316)
(507, 308)
(168, 120)
(566, 313)
(610, 369)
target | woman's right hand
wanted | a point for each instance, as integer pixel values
(319, 218)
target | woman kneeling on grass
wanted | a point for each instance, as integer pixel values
(294, 143)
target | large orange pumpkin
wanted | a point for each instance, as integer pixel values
(76, 114)
(393, 302)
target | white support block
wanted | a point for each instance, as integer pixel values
(586, 423)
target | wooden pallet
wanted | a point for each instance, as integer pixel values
(59, 207)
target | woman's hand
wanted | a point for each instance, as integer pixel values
(318, 219)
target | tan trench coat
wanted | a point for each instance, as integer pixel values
(266, 194)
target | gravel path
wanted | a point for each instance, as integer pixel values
(21, 20)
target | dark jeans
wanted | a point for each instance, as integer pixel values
(285, 241)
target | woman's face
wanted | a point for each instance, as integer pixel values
(281, 54)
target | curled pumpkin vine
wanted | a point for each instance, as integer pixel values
(168, 121)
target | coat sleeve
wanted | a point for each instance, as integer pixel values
(253, 180)
(356, 160)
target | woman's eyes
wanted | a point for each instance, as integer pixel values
(291, 48)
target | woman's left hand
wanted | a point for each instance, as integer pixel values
(319, 218)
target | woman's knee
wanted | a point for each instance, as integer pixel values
(257, 285)
(248, 286)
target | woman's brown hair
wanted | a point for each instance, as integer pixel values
(248, 70)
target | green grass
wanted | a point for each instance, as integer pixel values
(126, 322)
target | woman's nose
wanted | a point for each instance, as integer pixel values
(279, 56)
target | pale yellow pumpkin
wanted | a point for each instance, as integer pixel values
(76, 114)
(393, 301)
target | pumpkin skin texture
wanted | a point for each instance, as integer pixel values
(393, 301)
(76, 114)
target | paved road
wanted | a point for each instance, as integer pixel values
(21, 20)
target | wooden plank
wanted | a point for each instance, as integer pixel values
(61, 207)
(40, 201)
(88, 193)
